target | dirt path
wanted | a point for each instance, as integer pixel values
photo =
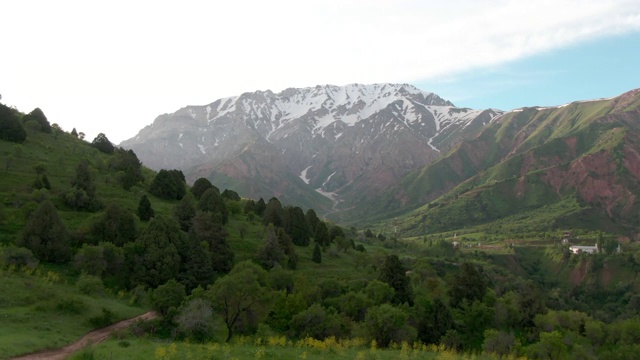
(93, 337)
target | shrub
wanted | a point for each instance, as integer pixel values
(71, 306)
(90, 285)
(18, 257)
(105, 319)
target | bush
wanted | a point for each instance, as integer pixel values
(18, 257)
(90, 285)
(105, 319)
(71, 306)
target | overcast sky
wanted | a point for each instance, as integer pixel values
(114, 66)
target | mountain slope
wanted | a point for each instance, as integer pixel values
(347, 143)
(578, 161)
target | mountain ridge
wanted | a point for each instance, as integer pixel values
(350, 141)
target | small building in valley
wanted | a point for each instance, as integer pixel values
(578, 249)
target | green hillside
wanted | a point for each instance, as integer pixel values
(565, 167)
(240, 278)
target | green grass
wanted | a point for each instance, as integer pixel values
(252, 348)
(43, 310)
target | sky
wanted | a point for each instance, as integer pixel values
(114, 66)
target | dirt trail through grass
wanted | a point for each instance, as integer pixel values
(93, 337)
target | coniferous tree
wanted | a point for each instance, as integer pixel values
(10, 127)
(468, 284)
(395, 274)
(296, 226)
(102, 143)
(260, 207)
(154, 258)
(273, 213)
(185, 211)
(145, 211)
(45, 182)
(230, 195)
(38, 116)
(312, 220)
(46, 235)
(82, 195)
(322, 234)
(317, 254)
(208, 227)
(200, 186)
(211, 201)
(117, 225)
(169, 184)
(271, 252)
(74, 132)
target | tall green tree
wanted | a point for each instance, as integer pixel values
(169, 184)
(10, 127)
(211, 201)
(46, 235)
(260, 207)
(38, 116)
(154, 258)
(102, 143)
(145, 211)
(316, 257)
(322, 234)
(312, 220)
(242, 293)
(116, 225)
(395, 274)
(200, 186)
(434, 319)
(271, 252)
(296, 226)
(82, 195)
(185, 211)
(273, 213)
(468, 284)
(386, 324)
(208, 227)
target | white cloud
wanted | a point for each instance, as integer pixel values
(112, 67)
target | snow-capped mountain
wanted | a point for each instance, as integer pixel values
(341, 142)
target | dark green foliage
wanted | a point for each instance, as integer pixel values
(355, 305)
(271, 251)
(106, 318)
(468, 284)
(154, 257)
(434, 319)
(90, 284)
(74, 132)
(289, 249)
(82, 195)
(185, 211)
(317, 254)
(395, 274)
(240, 294)
(273, 213)
(197, 265)
(145, 211)
(46, 235)
(334, 232)
(116, 225)
(530, 304)
(316, 322)
(312, 220)
(195, 320)
(296, 226)
(386, 324)
(260, 207)
(211, 201)
(45, 182)
(10, 127)
(321, 235)
(90, 260)
(167, 297)
(379, 292)
(230, 195)
(38, 116)
(208, 227)
(18, 257)
(200, 186)
(129, 167)
(102, 143)
(168, 184)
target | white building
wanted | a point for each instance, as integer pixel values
(577, 249)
